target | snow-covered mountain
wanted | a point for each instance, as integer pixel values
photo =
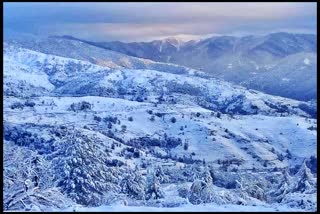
(83, 125)
(65, 76)
(251, 61)
(76, 49)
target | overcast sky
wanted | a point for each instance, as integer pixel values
(149, 21)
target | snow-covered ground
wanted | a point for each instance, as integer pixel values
(186, 208)
(96, 127)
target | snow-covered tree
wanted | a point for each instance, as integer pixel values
(304, 180)
(163, 178)
(201, 191)
(183, 190)
(81, 169)
(312, 163)
(253, 185)
(133, 184)
(81, 106)
(153, 190)
(28, 182)
(301, 193)
(278, 192)
(38, 200)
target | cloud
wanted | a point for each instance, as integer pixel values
(145, 21)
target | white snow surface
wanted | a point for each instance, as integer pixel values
(306, 61)
(185, 208)
(249, 129)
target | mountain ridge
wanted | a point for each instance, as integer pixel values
(235, 59)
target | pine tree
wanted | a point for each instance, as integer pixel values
(201, 191)
(133, 184)
(153, 186)
(81, 171)
(304, 180)
(282, 188)
(173, 119)
(28, 183)
(186, 146)
(161, 175)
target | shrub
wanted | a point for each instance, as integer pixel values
(312, 164)
(29, 103)
(110, 119)
(281, 157)
(136, 154)
(183, 191)
(168, 142)
(17, 105)
(265, 164)
(139, 99)
(82, 106)
(159, 114)
(311, 128)
(171, 142)
(289, 155)
(109, 125)
(186, 146)
(97, 118)
(123, 128)
(110, 134)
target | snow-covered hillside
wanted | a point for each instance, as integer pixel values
(146, 134)
(76, 77)
(254, 61)
(60, 46)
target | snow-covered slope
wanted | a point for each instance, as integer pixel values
(76, 77)
(107, 134)
(80, 50)
(298, 71)
(249, 60)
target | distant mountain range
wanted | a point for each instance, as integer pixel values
(281, 64)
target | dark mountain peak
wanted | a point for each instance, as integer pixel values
(63, 37)
(281, 34)
(292, 36)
